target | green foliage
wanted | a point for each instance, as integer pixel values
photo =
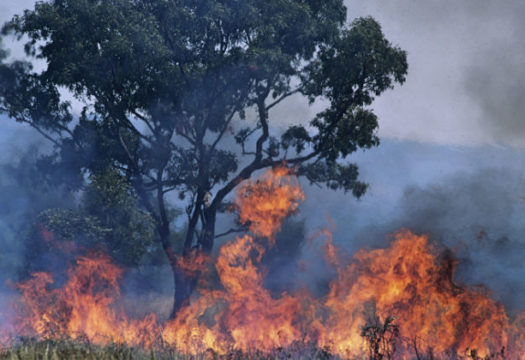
(168, 84)
(185, 69)
(66, 225)
(111, 200)
(24, 196)
(109, 219)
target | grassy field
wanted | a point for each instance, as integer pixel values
(28, 349)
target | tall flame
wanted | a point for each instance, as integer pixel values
(266, 202)
(407, 289)
(83, 307)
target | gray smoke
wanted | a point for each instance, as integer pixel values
(479, 216)
(466, 76)
(470, 200)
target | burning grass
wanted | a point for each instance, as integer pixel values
(29, 349)
(83, 349)
(400, 302)
(73, 349)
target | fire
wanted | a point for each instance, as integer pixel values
(266, 202)
(83, 307)
(253, 319)
(401, 300)
(407, 281)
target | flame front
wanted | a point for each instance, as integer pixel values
(409, 283)
(83, 307)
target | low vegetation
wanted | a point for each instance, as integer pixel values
(31, 349)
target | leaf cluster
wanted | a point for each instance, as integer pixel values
(178, 95)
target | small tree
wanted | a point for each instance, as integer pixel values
(108, 217)
(166, 83)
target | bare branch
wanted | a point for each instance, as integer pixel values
(170, 189)
(42, 132)
(186, 137)
(250, 133)
(223, 130)
(132, 160)
(282, 97)
(231, 231)
(144, 119)
(257, 162)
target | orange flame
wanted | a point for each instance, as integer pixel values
(409, 284)
(266, 202)
(83, 307)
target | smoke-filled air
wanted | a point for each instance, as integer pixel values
(303, 179)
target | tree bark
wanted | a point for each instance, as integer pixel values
(164, 233)
(185, 282)
(184, 286)
(208, 235)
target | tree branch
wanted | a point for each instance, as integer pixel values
(42, 132)
(186, 137)
(231, 231)
(144, 119)
(257, 162)
(282, 97)
(192, 223)
(133, 163)
(223, 130)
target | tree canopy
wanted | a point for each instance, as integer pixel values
(178, 96)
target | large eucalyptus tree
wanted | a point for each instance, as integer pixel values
(167, 85)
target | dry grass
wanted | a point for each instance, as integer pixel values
(28, 349)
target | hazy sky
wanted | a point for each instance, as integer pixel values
(466, 76)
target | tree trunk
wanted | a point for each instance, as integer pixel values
(186, 283)
(184, 286)
(208, 236)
